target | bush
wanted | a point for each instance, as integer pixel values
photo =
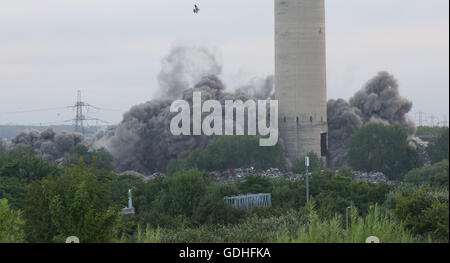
(255, 184)
(438, 148)
(182, 193)
(435, 175)
(74, 204)
(423, 211)
(10, 224)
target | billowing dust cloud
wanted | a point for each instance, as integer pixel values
(50, 145)
(142, 141)
(379, 101)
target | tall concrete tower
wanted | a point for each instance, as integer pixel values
(300, 76)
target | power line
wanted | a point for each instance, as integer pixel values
(34, 110)
(80, 119)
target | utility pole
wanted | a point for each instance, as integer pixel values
(79, 118)
(307, 179)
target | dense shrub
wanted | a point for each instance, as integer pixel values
(73, 204)
(435, 175)
(11, 224)
(424, 211)
(438, 148)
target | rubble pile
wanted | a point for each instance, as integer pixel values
(144, 177)
(371, 177)
(239, 174)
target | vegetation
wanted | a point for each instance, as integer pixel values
(44, 202)
(377, 147)
(18, 168)
(435, 175)
(74, 204)
(99, 158)
(377, 223)
(438, 148)
(423, 210)
(229, 152)
(10, 224)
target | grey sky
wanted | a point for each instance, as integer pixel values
(111, 49)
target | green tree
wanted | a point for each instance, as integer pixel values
(18, 168)
(74, 204)
(377, 147)
(10, 224)
(182, 193)
(435, 175)
(99, 158)
(229, 152)
(438, 148)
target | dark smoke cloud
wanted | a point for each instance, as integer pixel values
(142, 141)
(379, 101)
(50, 145)
(343, 120)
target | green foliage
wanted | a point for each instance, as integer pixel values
(18, 168)
(10, 224)
(211, 209)
(435, 175)
(331, 230)
(149, 236)
(314, 163)
(251, 230)
(75, 204)
(99, 158)
(423, 211)
(182, 193)
(255, 184)
(438, 148)
(377, 147)
(229, 152)
(336, 192)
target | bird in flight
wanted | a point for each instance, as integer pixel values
(196, 9)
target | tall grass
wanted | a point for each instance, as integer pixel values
(150, 235)
(378, 222)
(305, 226)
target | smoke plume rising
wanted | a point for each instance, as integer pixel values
(142, 141)
(379, 101)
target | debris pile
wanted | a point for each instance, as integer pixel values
(233, 175)
(371, 177)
